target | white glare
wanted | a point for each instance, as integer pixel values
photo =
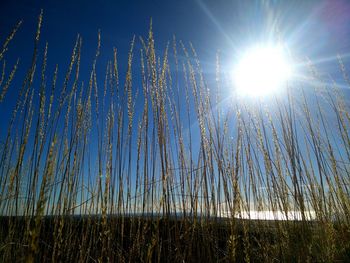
(261, 71)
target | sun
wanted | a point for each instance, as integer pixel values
(262, 70)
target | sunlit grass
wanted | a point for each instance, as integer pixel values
(93, 171)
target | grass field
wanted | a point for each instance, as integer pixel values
(160, 165)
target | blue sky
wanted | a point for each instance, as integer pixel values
(317, 29)
(311, 27)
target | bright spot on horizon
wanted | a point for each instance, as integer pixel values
(262, 70)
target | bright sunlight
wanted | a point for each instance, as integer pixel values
(261, 70)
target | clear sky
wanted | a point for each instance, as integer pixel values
(317, 29)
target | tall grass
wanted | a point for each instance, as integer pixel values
(160, 166)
